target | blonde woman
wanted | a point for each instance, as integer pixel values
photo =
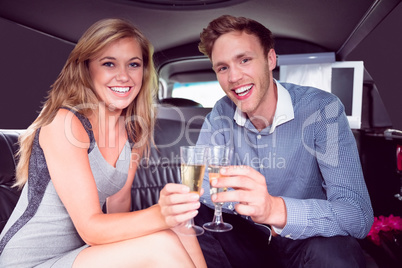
(82, 152)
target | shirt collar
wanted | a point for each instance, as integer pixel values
(283, 113)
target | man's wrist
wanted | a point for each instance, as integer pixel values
(277, 218)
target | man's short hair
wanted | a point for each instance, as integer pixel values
(226, 24)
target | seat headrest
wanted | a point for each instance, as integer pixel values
(179, 102)
(8, 149)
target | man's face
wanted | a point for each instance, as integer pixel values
(244, 71)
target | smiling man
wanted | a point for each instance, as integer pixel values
(296, 166)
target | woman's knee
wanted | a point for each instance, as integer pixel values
(169, 249)
(160, 249)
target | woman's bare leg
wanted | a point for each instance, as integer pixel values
(194, 250)
(161, 249)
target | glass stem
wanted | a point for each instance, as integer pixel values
(400, 185)
(218, 214)
(189, 224)
(399, 195)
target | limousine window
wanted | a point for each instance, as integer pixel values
(189, 79)
(206, 93)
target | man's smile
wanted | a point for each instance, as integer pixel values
(243, 91)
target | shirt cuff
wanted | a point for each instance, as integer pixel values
(278, 231)
(297, 218)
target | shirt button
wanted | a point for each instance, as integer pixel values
(205, 201)
(259, 137)
(261, 166)
(230, 206)
(288, 236)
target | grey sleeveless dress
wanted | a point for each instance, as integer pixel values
(40, 232)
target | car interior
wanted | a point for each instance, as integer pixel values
(350, 48)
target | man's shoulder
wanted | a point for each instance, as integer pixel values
(307, 93)
(222, 112)
(224, 106)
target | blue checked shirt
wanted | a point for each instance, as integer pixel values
(308, 157)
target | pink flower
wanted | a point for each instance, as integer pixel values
(394, 222)
(384, 224)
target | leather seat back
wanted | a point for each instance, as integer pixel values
(8, 195)
(163, 165)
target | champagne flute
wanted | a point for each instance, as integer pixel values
(219, 156)
(399, 170)
(193, 162)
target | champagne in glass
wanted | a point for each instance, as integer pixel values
(218, 156)
(213, 173)
(193, 162)
(192, 176)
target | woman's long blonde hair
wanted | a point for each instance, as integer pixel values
(73, 88)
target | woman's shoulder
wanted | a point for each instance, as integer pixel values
(65, 127)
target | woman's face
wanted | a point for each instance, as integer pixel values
(117, 73)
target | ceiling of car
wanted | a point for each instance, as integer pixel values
(169, 23)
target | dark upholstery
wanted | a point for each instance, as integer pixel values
(8, 195)
(163, 165)
(180, 102)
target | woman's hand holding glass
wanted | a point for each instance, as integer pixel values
(178, 204)
(193, 163)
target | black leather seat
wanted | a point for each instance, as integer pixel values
(8, 195)
(179, 102)
(163, 165)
